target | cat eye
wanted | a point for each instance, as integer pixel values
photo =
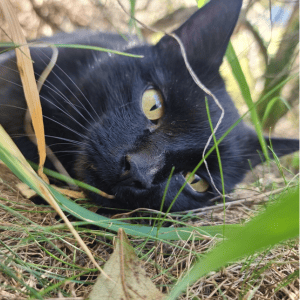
(153, 104)
(197, 183)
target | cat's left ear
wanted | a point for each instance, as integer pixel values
(281, 146)
(205, 35)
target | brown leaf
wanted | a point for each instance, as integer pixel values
(70, 193)
(25, 190)
(128, 280)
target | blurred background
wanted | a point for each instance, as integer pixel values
(266, 41)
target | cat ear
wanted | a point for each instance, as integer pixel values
(205, 35)
(280, 146)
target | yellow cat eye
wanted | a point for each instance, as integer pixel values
(197, 183)
(153, 104)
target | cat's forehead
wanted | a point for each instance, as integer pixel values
(137, 72)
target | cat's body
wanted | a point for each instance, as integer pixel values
(99, 125)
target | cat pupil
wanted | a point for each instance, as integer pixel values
(196, 179)
(154, 107)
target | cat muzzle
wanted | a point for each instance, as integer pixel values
(139, 170)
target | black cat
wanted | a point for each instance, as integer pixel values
(121, 123)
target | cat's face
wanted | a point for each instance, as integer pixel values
(153, 119)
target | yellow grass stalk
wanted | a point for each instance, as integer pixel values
(25, 67)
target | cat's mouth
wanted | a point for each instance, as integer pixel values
(193, 181)
(131, 194)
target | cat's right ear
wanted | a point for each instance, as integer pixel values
(205, 35)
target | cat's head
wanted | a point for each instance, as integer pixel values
(153, 118)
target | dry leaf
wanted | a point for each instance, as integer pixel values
(70, 193)
(29, 193)
(25, 190)
(128, 280)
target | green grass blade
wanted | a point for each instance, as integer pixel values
(12, 274)
(278, 222)
(270, 106)
(75, 46)
(287, 280)
(66, 178)
(97, 49)
(60, 283)
(243, 85)
(201, 3)
(164, 233)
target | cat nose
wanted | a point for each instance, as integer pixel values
(138, 171)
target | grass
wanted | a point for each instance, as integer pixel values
(35, 244)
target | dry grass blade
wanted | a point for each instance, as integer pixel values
(28, 80)
(27, 124)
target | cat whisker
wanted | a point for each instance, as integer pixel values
(47, 101)
(56, 91)
(50, 136)
(66, 143)
(64, 113)
(60, 144)
(67, 155)
(121, 106)
(66, 127)
(12, 82)
(75, 86)
(67, 152)
(67, 140)
(14, 106)
(20, 135)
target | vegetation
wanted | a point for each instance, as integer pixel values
(215, 252)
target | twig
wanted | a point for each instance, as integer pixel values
(236, 202)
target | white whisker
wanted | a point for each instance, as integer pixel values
(71, 91)
(66, 127)
(44, 98)
(56, 91)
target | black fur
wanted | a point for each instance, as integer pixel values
(93, 118)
